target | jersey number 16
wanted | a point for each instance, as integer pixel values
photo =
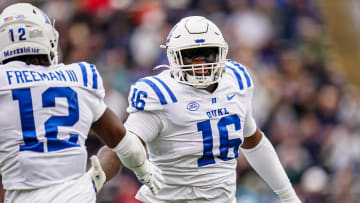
(225, 142)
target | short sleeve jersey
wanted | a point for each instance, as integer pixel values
(47, 113)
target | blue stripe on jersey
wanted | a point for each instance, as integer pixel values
(156, 90)
(173, 98)
(83, 70)
(237, 76)
(94, 76)
(248, 81)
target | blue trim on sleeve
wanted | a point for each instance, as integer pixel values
(247, 77)
(83, 70)
(173, 98)
(238, 77)
(95, 76)
(156, 90)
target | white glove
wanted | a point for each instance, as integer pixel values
(96, 174)
(289, 196)
(150, 175)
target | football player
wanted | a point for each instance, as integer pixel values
(51, 107)
(194, 119)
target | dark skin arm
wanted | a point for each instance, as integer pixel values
(109, 161)
(110, 130)
(252, 141)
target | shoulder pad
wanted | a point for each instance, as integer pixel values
(150, 94)
(239, 71)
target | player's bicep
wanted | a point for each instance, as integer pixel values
(146, 125)
(109, 128)
(249, 124)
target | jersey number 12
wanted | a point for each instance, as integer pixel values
(31, 143)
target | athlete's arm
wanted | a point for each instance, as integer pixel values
(261, 155)
(145, 123)
(128, 148)
(104, 167)
(109, 129)
(109, 161)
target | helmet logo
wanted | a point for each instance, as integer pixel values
(7, 19)
(193, 106)
(199, 40)
(20, 17)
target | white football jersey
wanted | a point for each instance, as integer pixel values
(46, 113)
(198, 134)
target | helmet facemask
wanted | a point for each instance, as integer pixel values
(200, 66)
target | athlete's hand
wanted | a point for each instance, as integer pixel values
(151, 176)
(96, 174)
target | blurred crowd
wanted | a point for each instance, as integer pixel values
(303, 102)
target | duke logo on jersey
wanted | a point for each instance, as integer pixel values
(50, 111)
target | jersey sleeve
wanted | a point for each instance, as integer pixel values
(92, 81)
(145, 95)
(243, 81)
(146, 125)
(250, 124)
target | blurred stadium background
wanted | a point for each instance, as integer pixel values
(303, 56)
